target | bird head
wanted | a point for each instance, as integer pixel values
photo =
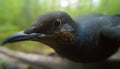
(47, 28)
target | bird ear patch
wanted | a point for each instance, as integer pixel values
(67, 27)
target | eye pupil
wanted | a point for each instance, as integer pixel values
(57, 22)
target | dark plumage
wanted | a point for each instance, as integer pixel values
(86, 38)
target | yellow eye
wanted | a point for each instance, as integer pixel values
(57, 23)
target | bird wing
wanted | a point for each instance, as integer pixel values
(112, 33)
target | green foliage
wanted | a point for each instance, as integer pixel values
(15, 15)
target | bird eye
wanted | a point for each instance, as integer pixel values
(57, 22)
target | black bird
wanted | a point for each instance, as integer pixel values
(86, 38)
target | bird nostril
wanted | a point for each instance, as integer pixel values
(30, 30)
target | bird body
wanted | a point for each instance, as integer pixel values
(87, 44)
(86, 38)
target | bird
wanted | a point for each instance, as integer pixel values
(84, 39)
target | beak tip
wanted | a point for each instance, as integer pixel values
(4, 42)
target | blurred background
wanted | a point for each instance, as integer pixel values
(16, 15)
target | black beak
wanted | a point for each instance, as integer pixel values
(21, 36)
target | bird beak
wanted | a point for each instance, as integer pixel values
(21, 36)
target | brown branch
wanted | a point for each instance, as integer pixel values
(55, 62)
